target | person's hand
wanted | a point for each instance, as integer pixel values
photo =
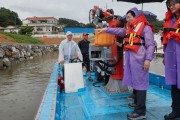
(102, 30)
(62, 62)
(146, 64)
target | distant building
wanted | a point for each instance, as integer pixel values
(1, 28)
(42, 25)
(10, 28)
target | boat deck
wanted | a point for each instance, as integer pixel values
(94, 103)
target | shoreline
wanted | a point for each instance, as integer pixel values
(15, 53)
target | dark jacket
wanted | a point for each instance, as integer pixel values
(84, 47)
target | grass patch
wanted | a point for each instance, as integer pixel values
(22, 38)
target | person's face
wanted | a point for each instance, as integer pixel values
(174, 6)
(85, 37)
(69, 37)
(129, 18)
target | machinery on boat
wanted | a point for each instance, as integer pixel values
(106, 53)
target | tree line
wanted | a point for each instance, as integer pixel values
(8, 17)
(73, 23)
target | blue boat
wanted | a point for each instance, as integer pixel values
(95, 103)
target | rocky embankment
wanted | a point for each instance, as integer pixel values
(10, 54)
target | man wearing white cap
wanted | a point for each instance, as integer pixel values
(68, 49)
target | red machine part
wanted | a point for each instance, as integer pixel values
(113, 23)
(118, 75)
(61, 83)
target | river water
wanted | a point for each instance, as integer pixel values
(22, 87)
(157, 66)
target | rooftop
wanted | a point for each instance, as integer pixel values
(40, 18)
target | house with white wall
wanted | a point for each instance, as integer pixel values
(42, 25)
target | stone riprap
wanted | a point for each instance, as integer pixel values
(20, 52)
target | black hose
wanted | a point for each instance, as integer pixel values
(102, 68)
(111, 65)
(120, 55)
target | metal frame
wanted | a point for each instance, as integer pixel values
(99, 53)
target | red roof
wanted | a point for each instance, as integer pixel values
(40, 18)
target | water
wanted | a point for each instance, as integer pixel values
(22, 87)
(157, 66)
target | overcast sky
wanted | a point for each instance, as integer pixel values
(75, 9)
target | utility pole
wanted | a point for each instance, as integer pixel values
(14, 20)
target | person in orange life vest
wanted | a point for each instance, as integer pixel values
(171, 41)
(139, 51)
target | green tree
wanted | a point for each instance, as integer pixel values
(90, 25)
(8, 17)
(26, 30)
(69, 23)
(158, 25)
(73, 23)
(82, 25)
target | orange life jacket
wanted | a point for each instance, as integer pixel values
(171, 32)
(134, 33)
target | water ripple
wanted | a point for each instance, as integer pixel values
(22, 86)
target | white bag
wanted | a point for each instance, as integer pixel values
(73, 77)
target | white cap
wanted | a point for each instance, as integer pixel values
(68, 33)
